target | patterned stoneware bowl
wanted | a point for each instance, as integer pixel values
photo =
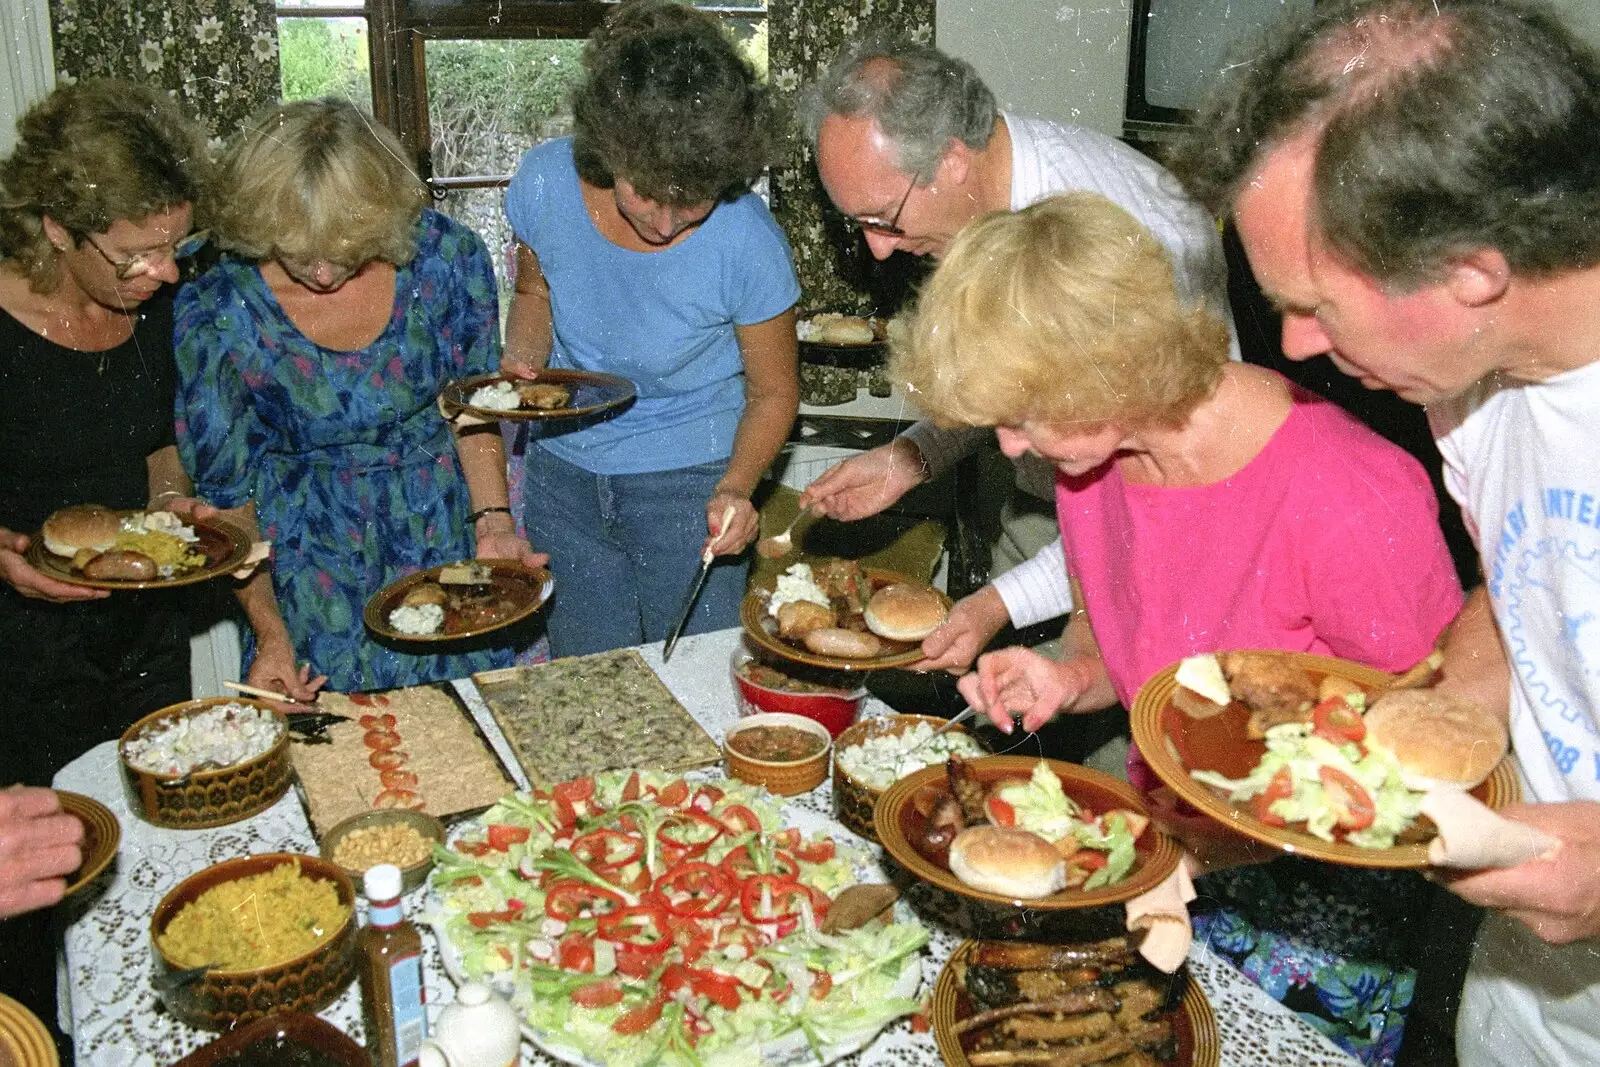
(206, 798)
(221, 1000)
(430, 829)
(853, 799)
(757, 753)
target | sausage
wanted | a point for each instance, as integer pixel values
(129, 566)
(846, 644)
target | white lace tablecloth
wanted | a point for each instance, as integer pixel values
(117, 1020)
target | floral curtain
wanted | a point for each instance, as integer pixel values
(219, 58)
(836, 271)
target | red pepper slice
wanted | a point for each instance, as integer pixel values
(740, 864)
(690, 936)
(768, 898)
(815, 852)
(740, 934)
(689, 831)
(695, 890)
(568, 899)
(643, 926)
(606, 849)
(1335, 720)
(1350, 799)
(501, 836)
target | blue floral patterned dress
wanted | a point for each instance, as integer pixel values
(352, 469)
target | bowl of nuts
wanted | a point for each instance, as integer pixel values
(395, 835)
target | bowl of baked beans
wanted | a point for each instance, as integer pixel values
(786, 753)
(394, 835)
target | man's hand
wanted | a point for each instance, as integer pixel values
(972, 624)
(505, 544)
(740, 529)
(866, 484)
(1557, 898)
(31, 583)
(274, 669)
(39, 846)
(1020, 681)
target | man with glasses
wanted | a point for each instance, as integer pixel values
(911, 147)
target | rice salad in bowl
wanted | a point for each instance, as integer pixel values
(641, 917)
(219, 736)
(881, 760)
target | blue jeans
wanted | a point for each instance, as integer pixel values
(624, 549)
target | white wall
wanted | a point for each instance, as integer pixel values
(1048, 58)
(29, 70)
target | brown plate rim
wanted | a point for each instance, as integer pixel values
(1501, 787)
(375, 615)
(753, 609)
(53, 566)
(1161, 862)
(96, 818)
(455, 393)
(1196, 1006)
(25, 1034)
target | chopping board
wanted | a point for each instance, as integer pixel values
(576, 716)
(407, 748)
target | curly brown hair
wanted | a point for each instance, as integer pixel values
(87, 155)
(669, 105)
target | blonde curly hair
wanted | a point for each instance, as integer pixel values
(1065, 312)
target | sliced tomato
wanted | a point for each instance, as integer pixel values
(643, 1017)
(631, 791)
(606, 849)
(788, 837)
(598, 994)
(1279, 788)
(575, 952)
(472, 848)
(720, 989)
(387, 759)
(740, 864)
(1000, 812)
(1350, 799)
(1136, 821)
(821, 984)
(921, 1023)
(381, 740)
(695, 889)
(482, 920)
(769, 898)
(636, 963)
(740, 819)
(692, 937)
(644, 926)
(567, 899)
(706, 797)
(1335, 720)
(401, 779)
(739, 934)
(689, 832)
(674, 793)
(502, 836)
(578, 789)
(815, 852)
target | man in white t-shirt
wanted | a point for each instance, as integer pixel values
(1417, 186)
(911, 147)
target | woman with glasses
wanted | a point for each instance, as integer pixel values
(310, 358)
(95, 200)
(642, 251)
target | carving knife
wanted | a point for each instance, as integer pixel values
(694, 591)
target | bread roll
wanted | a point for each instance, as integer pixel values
(905, 612)
(1437, 739)
(78, 527)
(842, 330)
(1002, 859)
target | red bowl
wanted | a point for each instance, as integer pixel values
(835, 711)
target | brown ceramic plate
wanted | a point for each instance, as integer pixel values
(763, 629)
(288, 1038)
(592, 393)
(1193, 1024)
(1174, 744)
(101, 836)
(224, 546)
(24, 1041)
(520, 591)
(898, 820)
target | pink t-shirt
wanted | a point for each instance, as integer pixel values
(1328, 541)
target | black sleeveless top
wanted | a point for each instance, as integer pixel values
(75, 427)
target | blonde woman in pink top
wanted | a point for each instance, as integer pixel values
(1204, 505)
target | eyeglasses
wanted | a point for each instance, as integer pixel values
(880, 227)
(146, 262)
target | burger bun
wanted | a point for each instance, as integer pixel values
(905, 612)
(1437, 739)
(81, 526)
(1005, 860)
(831, 329)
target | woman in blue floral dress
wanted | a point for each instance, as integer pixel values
(309, 362)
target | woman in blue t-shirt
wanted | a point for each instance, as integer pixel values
(641, 251)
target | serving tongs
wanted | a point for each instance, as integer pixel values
(312, 726)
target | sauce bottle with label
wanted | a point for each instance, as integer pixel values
(479, 1030)
(389, 958)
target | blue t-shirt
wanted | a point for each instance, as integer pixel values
(663, 320)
